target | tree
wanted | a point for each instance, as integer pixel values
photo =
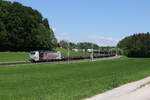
(23, 28)
(87, 45)
(63, 44)
(72, 45)
(136, 45)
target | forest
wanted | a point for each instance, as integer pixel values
(24, 29)
(137, 45)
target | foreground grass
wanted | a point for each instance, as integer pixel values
(69, 81)
(13, 56)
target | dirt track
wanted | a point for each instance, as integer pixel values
(139, 90)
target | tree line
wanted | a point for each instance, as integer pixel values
(79, 45)
(23, 28)
(83, 45)
(137, 45)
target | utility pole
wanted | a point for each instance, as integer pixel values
(68, 52)
(116, 51)
(92, 53)
(99, 51)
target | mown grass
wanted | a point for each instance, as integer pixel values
(69, 81)
(13, 56)
(64, 52)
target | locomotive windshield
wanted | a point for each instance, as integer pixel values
(32, 53)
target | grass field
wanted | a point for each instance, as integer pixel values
(13, 56)
(64, 52)
(69, 81)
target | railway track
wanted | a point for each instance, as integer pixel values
(58, 62)
(15, 63)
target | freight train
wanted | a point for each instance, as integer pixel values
(42, 56)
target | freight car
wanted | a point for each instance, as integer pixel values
(41, 56)
(86, 57)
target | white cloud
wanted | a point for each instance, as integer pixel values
(101, 41)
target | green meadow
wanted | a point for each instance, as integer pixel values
(64, 52)
(73, 81)
(13, 56)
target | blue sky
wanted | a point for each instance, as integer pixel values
(104, 22)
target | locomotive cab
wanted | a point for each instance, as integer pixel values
(34, 56)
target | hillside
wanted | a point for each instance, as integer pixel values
(64, 52)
